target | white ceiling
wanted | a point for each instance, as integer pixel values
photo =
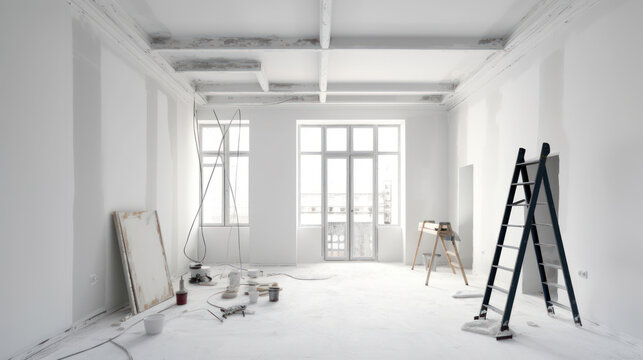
(367, 21)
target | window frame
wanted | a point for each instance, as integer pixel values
(324, 154)
(225, 155)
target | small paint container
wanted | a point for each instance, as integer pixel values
(273, 293)
(254, 296)
(253, 273)
(252, 285)
(181, 297)
(154, 324)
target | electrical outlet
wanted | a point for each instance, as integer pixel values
(582, 273)
(93, 279)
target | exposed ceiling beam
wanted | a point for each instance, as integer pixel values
(324, 42)
(332, 89)
(219, 100)
(263, 80)
(217, 64)
(338, 43)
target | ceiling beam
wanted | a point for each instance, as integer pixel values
(332, 89)
(263, 80)
(324, 42)
(339, 43)
(217, 64)
(219, 100)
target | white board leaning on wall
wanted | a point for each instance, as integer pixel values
(147, 275)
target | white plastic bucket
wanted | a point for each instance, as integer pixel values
(154, 324)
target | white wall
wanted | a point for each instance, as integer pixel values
(36, 172)
(580, 91)
(84, 132)
(273, 236)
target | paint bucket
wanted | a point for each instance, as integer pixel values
(154, 324)
(252, 285)
(254, 273)
(234, 280)
(181, 297)
(254, 296)
(273, 293)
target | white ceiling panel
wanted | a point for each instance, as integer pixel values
(402, 66)
(436, 18)
(191, 18)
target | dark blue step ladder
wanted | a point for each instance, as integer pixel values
(531, 190)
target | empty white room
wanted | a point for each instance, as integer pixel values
(321, 179)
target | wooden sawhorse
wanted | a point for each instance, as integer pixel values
(442, 231)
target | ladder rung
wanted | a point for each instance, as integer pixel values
(524, 183)
(555, 285)
(528, 162)
(510, 225)
(555, 266)
(509, 247)
(498, 288)
(545, 245)
(503, 268)
(521, 203)
(491, 307)
(560, 305)
(451, 253)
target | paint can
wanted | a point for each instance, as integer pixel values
(254, 296)
(273, 293)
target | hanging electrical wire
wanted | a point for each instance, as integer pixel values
(205, 191)
(236, 179)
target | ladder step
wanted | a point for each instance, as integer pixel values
(451, 253)
(503, 268)
(560, 305)
(498, 288)
(555, 266)
(491, 307)
(555, 285)
(511, 225)
(545, 245)
(522, 203)
(509, 247)
(528, 162)
(524, 183)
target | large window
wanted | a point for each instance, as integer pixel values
(225, 174)
(317, 144)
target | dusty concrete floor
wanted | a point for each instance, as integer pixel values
(366, 311)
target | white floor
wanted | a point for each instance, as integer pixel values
(366, 311)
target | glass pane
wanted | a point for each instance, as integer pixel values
(212, 211)
(310, 190)
(210, 160)
(210, 138)
(239, 139)
(362, 139)
(388, 189)
(336, 211)
(362, 229)
(387, 138)
(310, 139)
(239, 186)
(336, 139)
